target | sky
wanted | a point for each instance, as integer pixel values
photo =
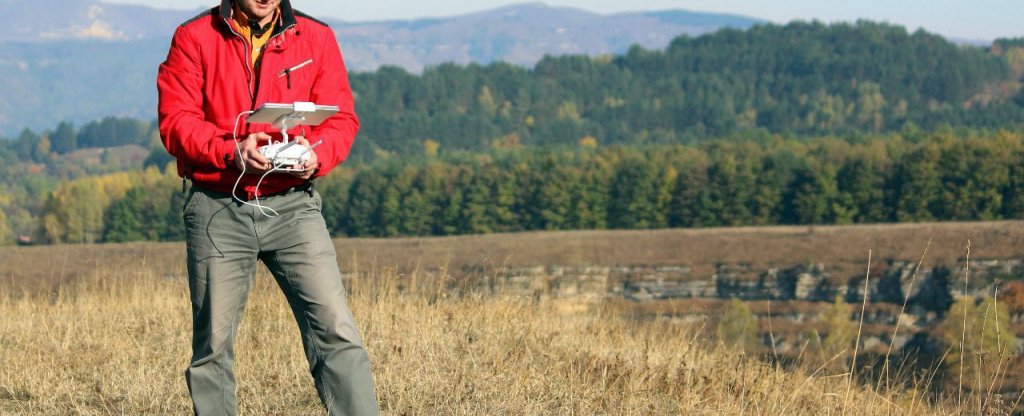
(958, 19)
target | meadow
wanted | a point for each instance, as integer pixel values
(104, 329)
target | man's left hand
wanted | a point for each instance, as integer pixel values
(305, 170)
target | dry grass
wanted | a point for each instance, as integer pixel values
(116, 343)
(104, 330)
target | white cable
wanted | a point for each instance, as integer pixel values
(256, 191)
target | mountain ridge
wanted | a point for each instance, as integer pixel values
(520, 33)
(98, 59)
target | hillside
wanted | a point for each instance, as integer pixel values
(802, 78)
(117, 343)
(96, 59)
(786, 276)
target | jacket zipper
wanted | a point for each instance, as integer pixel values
(247, 61)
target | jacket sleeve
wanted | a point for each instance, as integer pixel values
(183, 127)
(331, 87)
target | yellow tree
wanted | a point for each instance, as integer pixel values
(486, 101)
(430, 147)
(842, 331)
(82, 206)
(74, 211)
(1015, 59)
(979, 341)
(738, 327)
(870, 106)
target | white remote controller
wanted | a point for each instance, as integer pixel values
(285, 156)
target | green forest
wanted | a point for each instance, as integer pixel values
(804, 123)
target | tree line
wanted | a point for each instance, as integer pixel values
(65, 138)
(768, 180)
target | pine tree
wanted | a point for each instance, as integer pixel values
(63, 138)
(634, 195)
(917, 184)
(122, 219)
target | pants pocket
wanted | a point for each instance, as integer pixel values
(189, 208)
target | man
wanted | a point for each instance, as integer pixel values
(222, 64)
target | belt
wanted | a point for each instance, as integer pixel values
(303, 187)
(306, 187)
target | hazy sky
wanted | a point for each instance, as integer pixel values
(963, 19)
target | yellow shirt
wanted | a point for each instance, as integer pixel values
(256, 44)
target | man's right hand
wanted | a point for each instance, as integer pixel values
(250, 158)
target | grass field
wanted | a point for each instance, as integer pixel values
(104, 330)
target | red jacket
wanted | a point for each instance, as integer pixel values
(207, 80)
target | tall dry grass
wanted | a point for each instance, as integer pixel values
(117, 342)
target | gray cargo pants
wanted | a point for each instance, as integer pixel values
(224, 241)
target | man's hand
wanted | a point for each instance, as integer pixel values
(250, 158)
(307, 168)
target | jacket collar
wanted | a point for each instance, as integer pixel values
(287, 15)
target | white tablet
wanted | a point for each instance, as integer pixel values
(300, 113)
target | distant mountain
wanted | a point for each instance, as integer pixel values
(79, 60)
(59, 20)
(520, 34)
